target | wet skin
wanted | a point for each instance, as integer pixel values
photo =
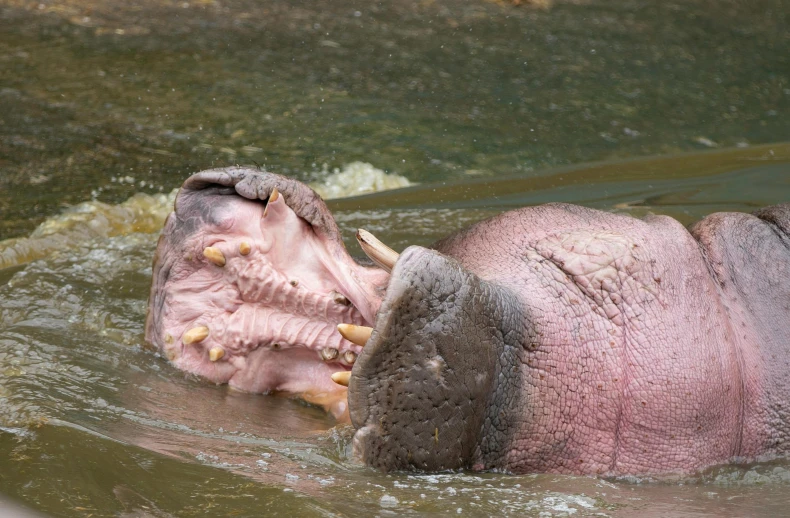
(554, 338)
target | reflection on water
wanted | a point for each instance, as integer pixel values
(106, 106)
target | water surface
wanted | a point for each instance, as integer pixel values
(102, 99)
(105, 107)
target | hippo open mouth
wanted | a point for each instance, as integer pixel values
(250, 282)
(554, 338)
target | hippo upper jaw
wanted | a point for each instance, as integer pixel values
(250, 280)
(438, 384)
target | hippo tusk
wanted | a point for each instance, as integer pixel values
(341, 378)
(214, 255)
(195, 335)
(355, 334)
(272, 198)
(378, 252)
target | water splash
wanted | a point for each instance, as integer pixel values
(146, 213)
(356, 178)
(89, 220)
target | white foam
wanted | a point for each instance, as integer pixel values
(356, 178)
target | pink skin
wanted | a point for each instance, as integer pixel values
(647, 348)
(273, 310)
(637, 365)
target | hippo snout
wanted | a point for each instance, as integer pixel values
(432, 382)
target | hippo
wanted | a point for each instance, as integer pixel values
(554, 338)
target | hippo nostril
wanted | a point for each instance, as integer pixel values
(214, 255)
(195, 335)
(329, 354)
(355, 334)
(244, 248)
(216, 353)
(378, 252)
(350, 357)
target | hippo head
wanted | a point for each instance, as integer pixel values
(552, 338)
(251, 281)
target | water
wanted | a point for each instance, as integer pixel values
(104, 98)
(105, 107)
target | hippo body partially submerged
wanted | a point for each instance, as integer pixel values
(554, 338)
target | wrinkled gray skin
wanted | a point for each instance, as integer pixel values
(563, 339)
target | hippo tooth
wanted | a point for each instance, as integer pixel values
(341, 378)
(329, 354)
(350, 357)
(272, 198)
(244, 248)
(215, 353)
(378, 252)
(355, 334)
(195, 335)
(339, 298)
(214, 255)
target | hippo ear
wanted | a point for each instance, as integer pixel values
(437, 385)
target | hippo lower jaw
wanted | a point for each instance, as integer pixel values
(250, 282)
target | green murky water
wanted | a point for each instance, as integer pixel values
(105, 107)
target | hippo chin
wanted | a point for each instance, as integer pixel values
(552, 339)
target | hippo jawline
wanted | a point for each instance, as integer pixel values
(250, 283)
